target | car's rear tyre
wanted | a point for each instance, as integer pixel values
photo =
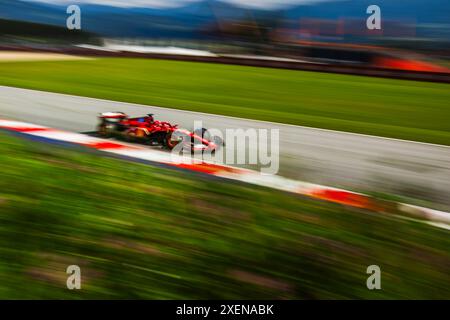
(103, 131)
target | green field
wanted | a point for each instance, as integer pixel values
(139, 231)
(386, 107)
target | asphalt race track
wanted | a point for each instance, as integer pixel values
(359, 162)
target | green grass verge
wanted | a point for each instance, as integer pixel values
(386, 107)
(139, 231)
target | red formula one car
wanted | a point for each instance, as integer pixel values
(150, 131)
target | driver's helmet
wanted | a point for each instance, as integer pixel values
(150, 118)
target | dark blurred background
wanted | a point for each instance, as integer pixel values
(415, 35)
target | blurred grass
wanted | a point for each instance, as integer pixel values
(139, 231)
(385, 107)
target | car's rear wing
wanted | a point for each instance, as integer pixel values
(113, 115)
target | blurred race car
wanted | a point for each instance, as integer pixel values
(150, 131)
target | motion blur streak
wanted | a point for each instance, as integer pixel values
(348, 198)
(137, 231)
(358, 90)
(333, 158)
